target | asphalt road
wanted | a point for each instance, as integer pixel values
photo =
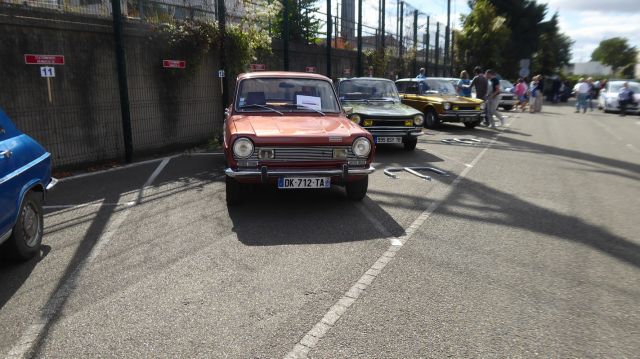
(529, 248)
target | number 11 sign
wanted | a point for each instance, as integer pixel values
(47, 71)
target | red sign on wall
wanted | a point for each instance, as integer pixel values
(174, 64)
(31, 59)
(258, 67)
(311, 69)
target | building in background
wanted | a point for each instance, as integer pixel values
(589, 68)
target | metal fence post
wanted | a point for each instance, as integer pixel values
(359, 57)
(285, 34)
(401, 14)
(329, 28)
(437, 59)
(222, 26)
(415, 41)
(426, 47)
(122, 81)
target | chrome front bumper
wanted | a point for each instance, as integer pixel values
(265, 173)
(390, 131)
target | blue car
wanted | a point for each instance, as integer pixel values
(25, 177)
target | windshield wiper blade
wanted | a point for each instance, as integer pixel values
(305, 107)
(382, 99)
(262, 106)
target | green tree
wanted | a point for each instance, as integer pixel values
(615, 52)
(483, 37)
(303, 24)
(554, 48)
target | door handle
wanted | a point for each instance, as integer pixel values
(6, 154)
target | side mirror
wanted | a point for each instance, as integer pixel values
(348, 110)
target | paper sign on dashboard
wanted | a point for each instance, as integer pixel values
(311, 102)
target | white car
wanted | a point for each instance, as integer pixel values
(508, 98)
(608, 100)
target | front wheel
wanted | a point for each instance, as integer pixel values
(431, 119)
(26, 237)
(356, 190)
(507, 108)
(410, 144)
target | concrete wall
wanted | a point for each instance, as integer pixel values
(82, 123)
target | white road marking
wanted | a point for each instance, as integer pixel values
(607, 129)
(362, 207)
(310, 339)
(35, 331)
(152, 178)
(89, 174)
(74, 206)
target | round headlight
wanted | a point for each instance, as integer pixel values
(356, 119)
(418, 120)
(361, 147)
(447, 106)
(243, 147)
(483, 105)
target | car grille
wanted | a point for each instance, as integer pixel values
(302, 154)
(508, 97)
(465, 108)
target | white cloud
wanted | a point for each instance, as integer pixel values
(602, 6)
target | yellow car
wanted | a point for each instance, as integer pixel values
(437, 99)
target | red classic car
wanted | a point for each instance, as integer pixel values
(288, 129)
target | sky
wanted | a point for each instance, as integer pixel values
(587, 22)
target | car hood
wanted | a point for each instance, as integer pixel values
(328, 129)
(380, 108)
(452, 98)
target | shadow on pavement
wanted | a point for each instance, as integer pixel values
(13, 274)
(310, 217)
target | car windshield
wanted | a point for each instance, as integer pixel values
(505, 84)
(286, 95)
(368, 89)
(615, 87)
(428, 86)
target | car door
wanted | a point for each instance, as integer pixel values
(7, 193)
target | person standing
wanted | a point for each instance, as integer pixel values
(591, 94)
(521, 94)
(493, 98)
(422, 74)
(463, 90)
(625, 97)
(479, 82)
(534, 94)
(540, 99)
(582, 91)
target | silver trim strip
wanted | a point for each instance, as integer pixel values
(5, 236)
(53, 183)
(24, 168)
(297, 172)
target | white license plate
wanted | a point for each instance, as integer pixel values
(304, 182)
(388, 139)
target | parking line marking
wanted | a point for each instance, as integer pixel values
(73, 206)
(205, 154)
(152, 178)
(376, 223)
(36, 330)
(311, 339)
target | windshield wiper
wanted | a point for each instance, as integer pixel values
(262, 106)
(385, 99)
(305, 107)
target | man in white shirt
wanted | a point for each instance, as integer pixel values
(582, 91)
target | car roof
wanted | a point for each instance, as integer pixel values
(368, 78)
(282, 74)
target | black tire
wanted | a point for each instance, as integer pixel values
(234, 191)
(431, 120)
(471, 125)
(356, 190)
(410, 144)
(26, 237)
(507, 108)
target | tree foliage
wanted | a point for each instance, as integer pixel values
(615, 52)
(554, 49)
(483, 37)
(529, 37)
(303, 24)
